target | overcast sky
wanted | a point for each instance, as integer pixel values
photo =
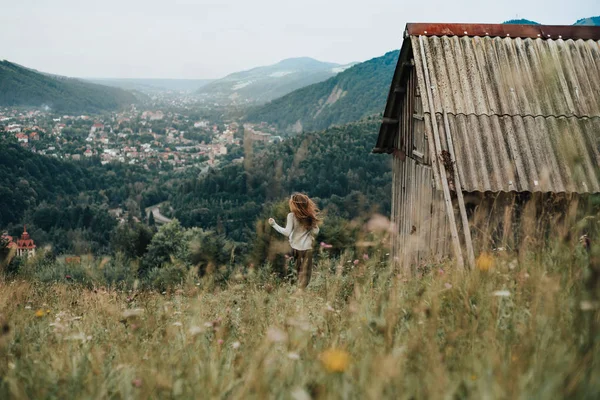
(212, 38)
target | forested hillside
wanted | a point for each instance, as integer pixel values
(334, 166)
(21, 86)
(349, 96)
(65, 203)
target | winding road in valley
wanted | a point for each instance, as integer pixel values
(158, 217)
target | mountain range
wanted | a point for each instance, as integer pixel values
(266, 83)
(21, 86)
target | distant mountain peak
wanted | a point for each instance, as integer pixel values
(262, 84)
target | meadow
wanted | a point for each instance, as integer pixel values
(515, 328)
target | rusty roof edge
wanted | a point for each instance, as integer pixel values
(564, 32)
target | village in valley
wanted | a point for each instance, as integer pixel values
(152, 138)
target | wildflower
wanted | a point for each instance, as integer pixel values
(131, 313)
(68, 277)
(276, 335)
(220, 341)
(441, 271)
(300, 394)
(485, 262)
(326, 246)
(448, 285)
(587, 305)
(365, 256)
(355, 262)
(293, 356)
(335, 360)
(195, 330)
(40, 313)
(48, 311)
(473, 377)
(28, 307)
(137, 382)
(501, 293)
(79, 336)
(236, 345)
(177, 323)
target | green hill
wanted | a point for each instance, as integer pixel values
(595, 21)
(20, 86)
(521, 21)
(349, 96)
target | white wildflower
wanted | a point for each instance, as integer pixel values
(300, 394)
(134, 312)
(276, 335)
(195, 330)
(587, 305)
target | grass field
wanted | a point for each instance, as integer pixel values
(515, 329)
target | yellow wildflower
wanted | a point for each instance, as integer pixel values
(485, 262)
(335, 360)
(40, 313)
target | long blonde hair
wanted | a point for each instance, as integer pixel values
(305, 210)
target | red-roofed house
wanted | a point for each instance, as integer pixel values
(96, 128)
(22, 138)
(24, 246)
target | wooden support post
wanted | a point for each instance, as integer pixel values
(459, 195)
(436, 156)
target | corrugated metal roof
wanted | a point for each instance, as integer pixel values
(512, 76)
(525, 154)
(524, 113)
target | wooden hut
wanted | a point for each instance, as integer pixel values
(482, 113)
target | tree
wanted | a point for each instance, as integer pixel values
(151, 221)
(166, 243)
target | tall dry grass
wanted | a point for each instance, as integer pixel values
(515, 328)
